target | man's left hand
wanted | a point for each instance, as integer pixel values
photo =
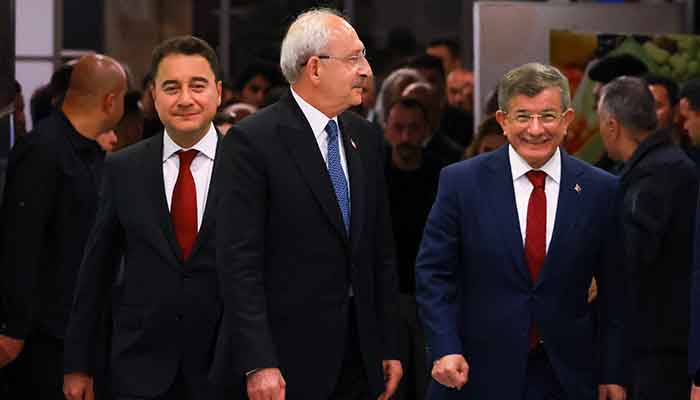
(392, 376)
(611, 392)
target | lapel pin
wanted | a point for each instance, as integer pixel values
(352, 142)
(578, 188)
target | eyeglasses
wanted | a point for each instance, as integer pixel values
(353, 60)
(546, 118)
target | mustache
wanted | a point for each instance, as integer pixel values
(535, 139)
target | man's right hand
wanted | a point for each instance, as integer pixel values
(78, 386)
(266, 384)
(9, 349)
(451, 370)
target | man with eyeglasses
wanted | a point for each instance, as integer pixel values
(659, 189)
(305, 251)
(509, 250)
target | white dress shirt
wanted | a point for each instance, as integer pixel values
(201, 168)
(522, 187)
(318, 121)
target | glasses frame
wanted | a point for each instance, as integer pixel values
(531, 118)
(353, 60)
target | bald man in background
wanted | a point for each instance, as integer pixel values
(50, 205)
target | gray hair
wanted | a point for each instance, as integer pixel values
(385, 98)
(307, 36)
(530, 80)
(629, 101)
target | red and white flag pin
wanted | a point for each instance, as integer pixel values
(352, 142)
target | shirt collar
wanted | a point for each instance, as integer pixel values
(519, 167)
(316, 118)
(206, 145)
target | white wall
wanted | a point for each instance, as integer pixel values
(35, 34)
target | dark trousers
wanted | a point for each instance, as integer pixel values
(38, 371)
(660, 376)
(541, 381)
(416, 375)
(177, 391)
(352, 383)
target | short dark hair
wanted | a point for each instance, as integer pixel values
(223, 118)
(629, 100)
(187, 45)
(691, 91)
(18, 87)
(268, 71)
(451, 44)
(408, 103)
(669, 84)
(426, 61)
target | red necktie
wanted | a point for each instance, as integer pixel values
(183, 209)
(536, 235)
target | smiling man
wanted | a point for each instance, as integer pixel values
(156, 218)
(306, 252)
(507, 256)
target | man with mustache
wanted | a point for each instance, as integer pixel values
(508, 253)
(305, 245)
(412, 177)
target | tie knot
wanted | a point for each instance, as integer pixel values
(332, 130)
(536, 178)
(186, 157)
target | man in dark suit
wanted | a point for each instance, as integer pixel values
(508, 253)
(659, 189)
(49, 207)
(156, 214)
(306, 253)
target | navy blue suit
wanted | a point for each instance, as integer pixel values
(476, 296)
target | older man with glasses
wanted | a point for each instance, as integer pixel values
(305, 248)
(508, 253)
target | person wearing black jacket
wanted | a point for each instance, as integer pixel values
(659, 189)
(50, 203)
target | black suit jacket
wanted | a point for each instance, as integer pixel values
(660, 189)
(50, 203)
(285, 259)
(166, 312)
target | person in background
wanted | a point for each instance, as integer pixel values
(460, 89)
(689, 110)
(448, 51)
(254, 83)
(412, 178)
(658, 191)
(151, 122)
(50, 204)
(489, 138)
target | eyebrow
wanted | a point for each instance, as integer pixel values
(176, 82)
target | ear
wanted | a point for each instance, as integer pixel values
(219, 90)
(313, 70)
(502, 120)
(108, 102)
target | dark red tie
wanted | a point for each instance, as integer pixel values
(183, 209)
(536, 235)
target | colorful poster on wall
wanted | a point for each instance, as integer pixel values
(673, 55)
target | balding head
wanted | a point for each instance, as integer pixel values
(96, 91)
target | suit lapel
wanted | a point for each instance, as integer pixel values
(569, 208)
(357, 180)
(499, 186)
(210, 206)
(153, 171)
(296, 132)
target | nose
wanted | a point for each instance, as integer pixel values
(185, 97)
(364, 69)
(535, 126)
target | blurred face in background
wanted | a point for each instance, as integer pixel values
(460, 89)
(692, 121)
(664, 110)
(406, 129)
